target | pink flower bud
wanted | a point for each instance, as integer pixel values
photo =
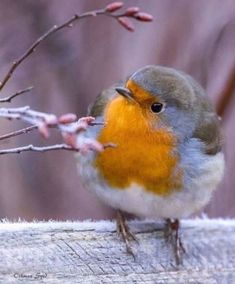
(43, 130)
(126, 23)
(145, 17)
(87, 119)
(67, 118)
(132, 11)
(70, 140)
(112, 7)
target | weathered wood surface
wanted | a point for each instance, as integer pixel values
(89, 252)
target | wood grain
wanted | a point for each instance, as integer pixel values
(92, 252)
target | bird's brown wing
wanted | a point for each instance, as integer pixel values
(97, 107)
(208, 131)
(208, 127)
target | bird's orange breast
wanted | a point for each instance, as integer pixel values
(143, 155)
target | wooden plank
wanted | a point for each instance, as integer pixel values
(92, 252)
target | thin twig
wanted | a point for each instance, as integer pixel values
(34, 117)
(27, 114)
(55, 147)
(28, 148)
(68, 124)
(9, 98)
(33, 47)
(68, 24)
(18, 132)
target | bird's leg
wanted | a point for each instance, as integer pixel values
(167, 230)
(124, 231)
(172, 235)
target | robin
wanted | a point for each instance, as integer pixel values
(166, 160)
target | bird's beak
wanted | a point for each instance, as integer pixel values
(125, 93)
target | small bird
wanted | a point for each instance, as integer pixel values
(166, 158)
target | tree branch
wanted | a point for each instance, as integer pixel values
(9, 98)
(69, 126)
(32, 148)
(28, 115)
(107, 11)
(18, 132)
(67, 123)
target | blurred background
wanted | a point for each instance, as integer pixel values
(70, 68)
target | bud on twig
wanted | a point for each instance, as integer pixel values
(126, 23)
(132, 11)
(68, 125)
(144, 17)
(67, 118)
(70, 140)
(43, 130)
(112, 7)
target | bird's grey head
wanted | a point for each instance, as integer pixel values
(184, 99)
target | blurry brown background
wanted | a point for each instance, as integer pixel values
(74, 65)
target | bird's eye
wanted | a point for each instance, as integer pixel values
(157, 107)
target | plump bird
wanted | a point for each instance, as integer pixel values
(166, 160)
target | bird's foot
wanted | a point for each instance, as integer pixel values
(124, 231)
(171, 234)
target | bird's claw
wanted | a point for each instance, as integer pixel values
(171, 234)
(126, 234)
